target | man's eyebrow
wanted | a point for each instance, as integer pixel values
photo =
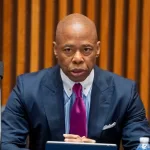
(87, 45)
(68, 45)
(72, 45)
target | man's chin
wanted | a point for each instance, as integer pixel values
(78, 78)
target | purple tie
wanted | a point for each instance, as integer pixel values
(78, 113)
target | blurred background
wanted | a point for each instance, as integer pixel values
(27, 30)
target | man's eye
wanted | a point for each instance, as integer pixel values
(67, 49)
(87, 51)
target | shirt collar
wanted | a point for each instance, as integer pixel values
(68, 84)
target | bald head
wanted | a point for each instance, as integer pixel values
(76, 47)
(76, 23)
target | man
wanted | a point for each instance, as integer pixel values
(74, 101)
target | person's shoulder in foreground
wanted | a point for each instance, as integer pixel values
(36, 105)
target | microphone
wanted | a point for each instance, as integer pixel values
(1, 70)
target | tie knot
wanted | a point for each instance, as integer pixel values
(77, 89)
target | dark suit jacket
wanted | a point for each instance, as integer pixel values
(36, 107)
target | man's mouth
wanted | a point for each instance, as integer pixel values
(78, 72)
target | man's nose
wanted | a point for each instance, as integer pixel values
(78, 58)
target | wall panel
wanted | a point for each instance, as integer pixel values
(49, 33)
(35, 26)
(27, 30)
(118, 37)
(145, 56)
(104, 33)
(131, 39)
(21, 33)
(7, 48)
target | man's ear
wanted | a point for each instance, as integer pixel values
(98, 49)
(55, 49)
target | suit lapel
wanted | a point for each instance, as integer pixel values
(102, 91)
(53, 101)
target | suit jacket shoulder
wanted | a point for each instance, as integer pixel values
(109, 79)
(39, 76)
(29, 84)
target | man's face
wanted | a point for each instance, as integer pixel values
(76, 51)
